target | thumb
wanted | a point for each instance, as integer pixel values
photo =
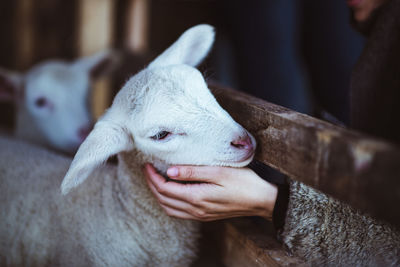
(208, 174)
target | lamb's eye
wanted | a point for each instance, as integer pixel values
(41, 102)
(161, 135)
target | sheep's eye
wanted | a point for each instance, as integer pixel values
(161, 135)
(41, 102)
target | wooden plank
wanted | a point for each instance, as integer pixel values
(24, 34)
(54, 24)
(137, 26)
(95, 33)
(246, 243)
(7, 57)
(355, 168)
(8, 12)
(96, 22)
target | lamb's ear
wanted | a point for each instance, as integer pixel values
(106, 139)
(99, 64)
(191, 48)
(10, 85)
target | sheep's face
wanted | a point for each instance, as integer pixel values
(167, 112)
(52, 99)
(56, 98)
(174, 118)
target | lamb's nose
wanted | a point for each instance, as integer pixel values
(83, 132)
(243, 143)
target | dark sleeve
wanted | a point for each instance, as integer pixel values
(280, 208)
(280, 180)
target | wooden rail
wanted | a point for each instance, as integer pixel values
(250, 244)
(358, 169)
(241, 242)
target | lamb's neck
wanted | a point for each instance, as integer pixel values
(136, 160)
(132, 183)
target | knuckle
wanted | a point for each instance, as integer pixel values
(194, 199)
(161, 189)
(200, 203)
(201, 214)
(161, 200)
(189, 172)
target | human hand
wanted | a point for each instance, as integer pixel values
(221, 192)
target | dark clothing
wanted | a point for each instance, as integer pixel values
(285, 48)
(375, 81)
(325, 231)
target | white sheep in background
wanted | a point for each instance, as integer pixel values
(166, 115)
(52, 100)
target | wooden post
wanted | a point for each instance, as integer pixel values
(24, 34)
(136, 36)
(95, 33)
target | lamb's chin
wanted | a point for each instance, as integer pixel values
(162, 166)
(237, 164)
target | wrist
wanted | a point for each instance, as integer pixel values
(270, 192)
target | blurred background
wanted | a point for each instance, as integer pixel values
(298, 54)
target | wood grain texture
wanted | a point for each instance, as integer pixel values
(358, 169)
(54, 26)
(250, 244)
(137, 26)
(96, 33)
(25, 37)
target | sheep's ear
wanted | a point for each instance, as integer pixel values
(99, 64)
(10, 85)
(106, 139)
(191, 48)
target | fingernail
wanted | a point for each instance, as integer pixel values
(172, 172)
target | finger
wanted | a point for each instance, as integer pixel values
(197, 215)
(177, 213)
(184, 192)
(151, 173)
(210, 174)
(186, 210)
(170, 202)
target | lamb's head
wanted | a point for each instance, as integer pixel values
(167, 112)
(52, 99)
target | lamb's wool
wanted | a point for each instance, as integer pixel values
(113, 219)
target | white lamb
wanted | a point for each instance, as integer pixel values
(52, 100)
(166, 115)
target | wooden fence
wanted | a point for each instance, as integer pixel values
(357, 169)
(360, 170)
